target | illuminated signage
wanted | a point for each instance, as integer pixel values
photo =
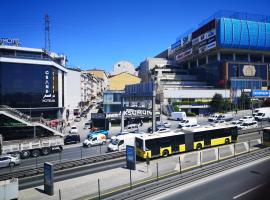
(49, 95)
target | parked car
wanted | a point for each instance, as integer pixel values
(165, 124)
(87, 125)
(237, 123)
(190, 126)
(159, 129)
(72, 138)
(77, 119)
(218, 122)
(178, 116)
(263, 115)
(213, 117)
(247, 119)
(9, 161)
(188, 121)
(248, 125)
(131, 128)
(73, 129)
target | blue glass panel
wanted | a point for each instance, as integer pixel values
(236, 32)
(253, 33)
(261, 37)
(267, 45)
(228, 32)
(244, 43)
(221, 32)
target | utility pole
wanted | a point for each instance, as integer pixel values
(154, 106)
(47, 33)
(122, 113)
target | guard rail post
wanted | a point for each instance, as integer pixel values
(60, 196)
(180, 170)
(157, 171)
(249, 146)
(99, 189)
(234, 149)
(81, 151)
(218, 153)
(130, 180)
(200, 158)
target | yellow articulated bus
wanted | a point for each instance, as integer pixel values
(164, 144)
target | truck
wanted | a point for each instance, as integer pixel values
(178, 116)
(120, 142)
(263, 115)
(187, 122)
(32, 147)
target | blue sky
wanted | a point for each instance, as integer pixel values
(98, 33)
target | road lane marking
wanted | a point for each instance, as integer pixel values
(248, 191)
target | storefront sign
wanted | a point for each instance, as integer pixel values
(249, 70)
(260, 93)
(9, 42)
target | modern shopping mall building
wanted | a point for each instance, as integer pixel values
(228, 53)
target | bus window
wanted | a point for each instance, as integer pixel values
(152, 145)
(139, 143)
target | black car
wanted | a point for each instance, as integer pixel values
(72, 138)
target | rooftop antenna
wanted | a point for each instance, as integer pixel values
(47, 34)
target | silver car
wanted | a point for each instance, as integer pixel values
(9, 161)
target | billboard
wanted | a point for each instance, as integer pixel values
(260, 93)
(131, 157)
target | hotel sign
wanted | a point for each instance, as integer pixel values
(9, 42)
(49, 96)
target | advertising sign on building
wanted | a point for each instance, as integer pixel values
(9, 42)
(260, 93)
(131, 157)
(49, 90)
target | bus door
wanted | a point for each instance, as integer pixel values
(189, 140)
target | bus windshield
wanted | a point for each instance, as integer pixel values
(115, 142)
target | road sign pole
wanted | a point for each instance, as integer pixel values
(157, 171)
(99, 189)
(130, 180)
(180, 170)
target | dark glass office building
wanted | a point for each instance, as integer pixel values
(32, 82)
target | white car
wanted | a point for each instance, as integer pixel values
(248, 125)
(218, 122)
(165, 124)
(162, 130)
(247, 119)
(190, 126)
(9, 161)
(237, 123)
(73, 129)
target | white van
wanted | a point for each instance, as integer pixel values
(178, 116)
(132, 128)
(120, 142)
(248, 125)
(257, 110)
(263, 115)
(187, 122)
(94, 139)
(225, 117)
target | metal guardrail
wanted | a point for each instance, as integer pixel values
(151, 188)
(63, 165)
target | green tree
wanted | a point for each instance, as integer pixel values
(217, 103)
(244, 101)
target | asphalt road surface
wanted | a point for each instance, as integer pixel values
(249, 183)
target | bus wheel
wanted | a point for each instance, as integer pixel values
(199, 146)
(165, 153)
(227, 141)
(35, 153)
(25, 154)
(45, 151)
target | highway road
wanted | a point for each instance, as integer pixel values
(72, 152)
(248, 183)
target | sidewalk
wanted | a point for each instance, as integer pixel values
(87, 185)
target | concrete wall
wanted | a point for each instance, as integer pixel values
(119, 81)
(73, 89)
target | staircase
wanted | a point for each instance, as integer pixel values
(24, 118)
